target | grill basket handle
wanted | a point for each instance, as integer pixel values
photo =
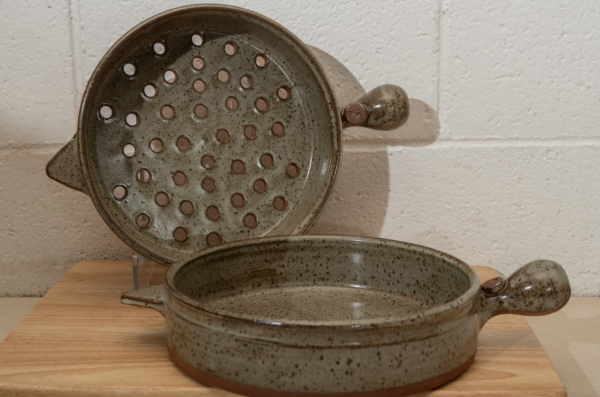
(384, 108)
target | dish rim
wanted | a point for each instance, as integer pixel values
(432, 315)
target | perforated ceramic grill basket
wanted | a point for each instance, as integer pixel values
(209, 124)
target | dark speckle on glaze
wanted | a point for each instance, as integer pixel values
(334, 314)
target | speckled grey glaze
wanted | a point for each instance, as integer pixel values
(94, 161)
(334, 314)
(386, 108)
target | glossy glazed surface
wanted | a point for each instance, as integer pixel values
(336, 277)
(317, 303)
(310, 140)
(208, 124)
(270, 313)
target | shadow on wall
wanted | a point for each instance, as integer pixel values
(358, 204)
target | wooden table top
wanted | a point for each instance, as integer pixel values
(81, 341)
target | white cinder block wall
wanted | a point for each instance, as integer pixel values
(499, 164)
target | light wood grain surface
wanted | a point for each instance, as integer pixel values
(80, 340)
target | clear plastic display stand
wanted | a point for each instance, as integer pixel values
(146, 272)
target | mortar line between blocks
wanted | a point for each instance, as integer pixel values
(394, 146)
(439, 45)
(372, 145)
(77, 51)
(27, 148)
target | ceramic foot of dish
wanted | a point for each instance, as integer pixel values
(258, 392)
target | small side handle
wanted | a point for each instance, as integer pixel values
(540, 287)
(384, 108)
(65, 168)
(152, 297)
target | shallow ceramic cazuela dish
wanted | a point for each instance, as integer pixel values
(335, 315)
